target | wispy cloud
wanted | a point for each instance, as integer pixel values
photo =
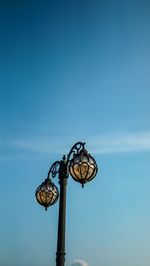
(121, 143)
(79, 262)
(101, 144)
(39, 144)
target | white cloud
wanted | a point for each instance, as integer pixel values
(120, 143)
(41, 144)
(79, 262)
(101, 144)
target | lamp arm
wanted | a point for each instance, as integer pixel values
(75, 150)
(54, 169)
(56, 166)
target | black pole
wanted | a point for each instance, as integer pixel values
(60, 254)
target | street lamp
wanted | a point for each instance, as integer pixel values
(83, 168)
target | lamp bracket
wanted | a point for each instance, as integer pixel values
(56, 166)
(75, 150)
(54, 170)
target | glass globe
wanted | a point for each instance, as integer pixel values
(83, 167)
(47, 193)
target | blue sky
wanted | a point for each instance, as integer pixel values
(75, 71)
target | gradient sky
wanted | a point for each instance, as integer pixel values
(75, 71)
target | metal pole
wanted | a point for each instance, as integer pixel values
(60, 254)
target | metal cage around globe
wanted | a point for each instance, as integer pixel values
(47, 193)
(83, 167)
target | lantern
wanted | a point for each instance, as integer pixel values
(47, 193)
(83, 167)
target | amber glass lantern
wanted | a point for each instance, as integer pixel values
(47, 193)
(83, 167)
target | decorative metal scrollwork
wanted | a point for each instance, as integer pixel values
(54, 170)
(76, 150)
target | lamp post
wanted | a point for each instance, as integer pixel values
(83, 168)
